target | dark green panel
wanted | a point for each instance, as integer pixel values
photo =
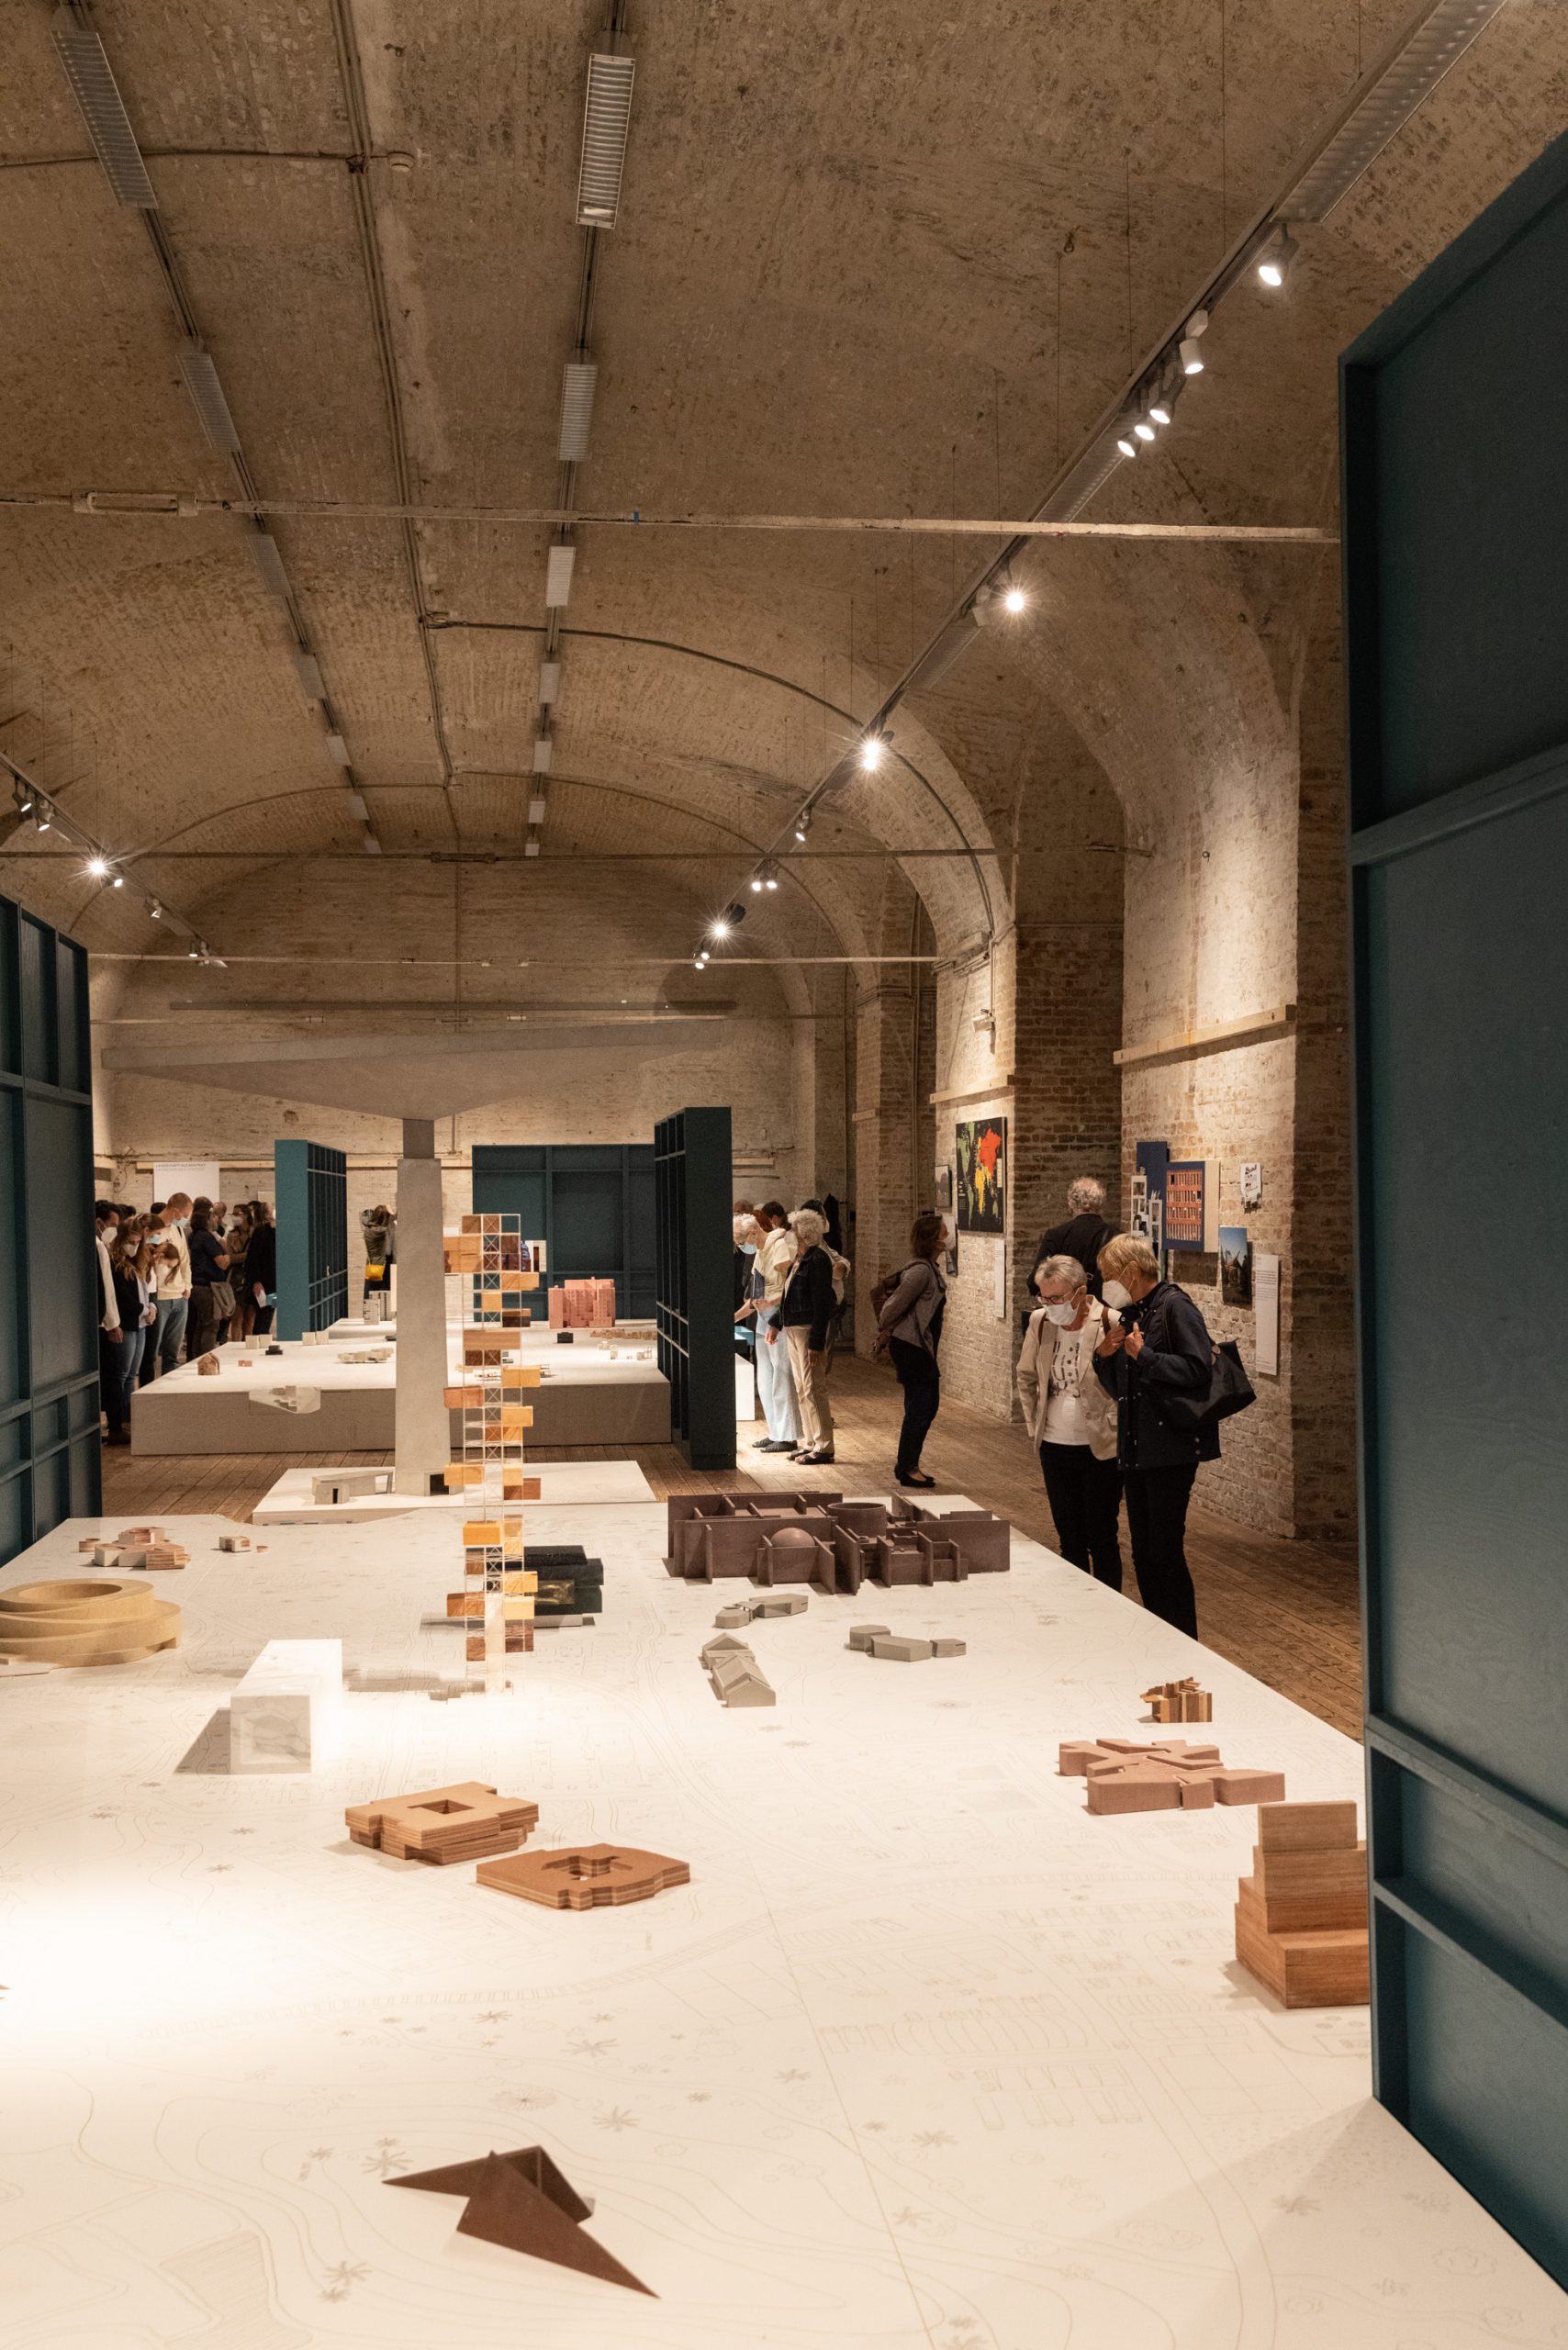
(695, 1272)
(589, 1202)
(589, 1234)
(10, 990)
(64, 1267)
(13, 1251)
(72, 1013)
(35, 950)
(311, 1188)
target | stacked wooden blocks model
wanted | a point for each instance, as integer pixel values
(491, 1266)
(734, 1674)
(1125, 1775)
(1179, 1701)
(1301, 1917)
(86, 1623)
(582, 1305)
(585, 1876)
(441, 1825)
(146, 1547)
(879, 1640)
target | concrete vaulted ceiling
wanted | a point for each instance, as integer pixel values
(868, 261)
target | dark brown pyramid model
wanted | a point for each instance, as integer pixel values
(521, 2200)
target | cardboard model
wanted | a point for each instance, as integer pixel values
(521, 2202)
(585, 1876)
(86, 1622)
(823, 1539)
(734, 1674)
(441, 1825)
(1301, 1917)
(1169, 1775)
(878, 1639)
(146, 1546)
(1179, 1701)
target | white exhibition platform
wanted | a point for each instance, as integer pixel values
(922, 2058)
(590, 1398)
(569, 1484)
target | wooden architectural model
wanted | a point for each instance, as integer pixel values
(520, 2201)
(567, 1582)
(1301, 1917)
(209, 1366)
(146, 1547)
(441, 1825)
(823, 1539)
(233, 1541)
(734, 1674)
(582, 1305)
(878, 1639)
(585, 1876)
(1124, 1774)
(287, 1714)
(332, 1486)
(1179, 1701)
(490, 1270)
(86, 1622)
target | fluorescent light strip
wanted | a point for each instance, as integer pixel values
(103, 109)
(577, 409)
(558, 571)
(607, 115)
(307, 669)
(207, 395)
(543, 751)
(269, 563)
(1418, 61)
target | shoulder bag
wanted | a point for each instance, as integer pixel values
(1229, 1390)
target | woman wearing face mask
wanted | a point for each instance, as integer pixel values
(1071, 1418)
(1160, 1346)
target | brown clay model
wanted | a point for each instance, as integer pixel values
(1179, 1701)
(209, 1366)
(1124, 1774)
(744, 1611)
(1301, 1917)
(441, 1825)
(521, 2202)
(878, 1639)
(86, 1622)
(823, 1539)
(585, 1876)
(146, 1547)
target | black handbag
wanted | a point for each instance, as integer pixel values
(1229, 1390)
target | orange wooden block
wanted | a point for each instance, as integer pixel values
(585, 1876)
(441, 1825)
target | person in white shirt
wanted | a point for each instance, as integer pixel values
(1071, 1419)
(775, 1383)
(173, 1289)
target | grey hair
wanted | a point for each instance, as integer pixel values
(808, 1225)
(1061, 1269)
(1085, 1195)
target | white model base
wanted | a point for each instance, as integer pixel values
(571, 1484)
(287, 1714)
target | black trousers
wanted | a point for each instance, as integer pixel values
(922, 1384)
(1085, 1495)
(1156, 1521)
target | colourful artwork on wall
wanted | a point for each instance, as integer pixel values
(981, 1148)
(1184, 1203)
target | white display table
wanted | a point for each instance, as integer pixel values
(923, 2055)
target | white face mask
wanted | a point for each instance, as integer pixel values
(1114, 1294)
(1059, 1311)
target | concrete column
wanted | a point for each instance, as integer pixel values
(423, 1446)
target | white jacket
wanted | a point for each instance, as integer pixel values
(1040, 1341)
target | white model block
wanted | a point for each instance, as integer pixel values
(286, 1713)
(332, 1486)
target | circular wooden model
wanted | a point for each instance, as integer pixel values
(86, 1623)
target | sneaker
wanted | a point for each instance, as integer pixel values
(762, 1443)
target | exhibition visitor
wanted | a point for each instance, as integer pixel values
(211, 1297)
(237, 1241)
(773, 1253)
(1071, 1418)
(1082, 1235)
(1160, 1347)
(161, 1352)
(911, 1325)
(106, 1224)
(379, 1227)
(805, 1315)
(260, 1268)
(130, 1270)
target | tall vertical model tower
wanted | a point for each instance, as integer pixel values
(489, 1270)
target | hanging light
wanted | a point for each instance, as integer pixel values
(1160, 412)
(1278, 261)
(98, 866)
(871, 754)
(718, 927)
(117, 882)
(756, 882)
(1187, 349)
(44, 815)
(803, 824)
(155, 910)
(1014, 598)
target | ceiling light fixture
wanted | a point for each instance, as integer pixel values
(155, 912)
(544, 752)
(207, 396)
(268, 562)
(536, 812)
(719, 928)
(98, 866)
(96, 91)
(1277, 263)
(307, 669)
(757, 883)
(549, 682)
(558, 567)
(337, 749)
(1014, 598)
(578, 383)
(117, 881)
(1126, 444)
(1143, 427)
(871, 751)
(607, 118)
(1187, 351)
(803, 824)
(1159, 411)
(44, 815)
(1394, 85)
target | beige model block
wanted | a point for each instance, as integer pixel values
(86, 1622)
(439, 1825)
(1306, 1827)
(233, 1541)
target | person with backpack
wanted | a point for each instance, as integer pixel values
(1158, 1350)
(909, 1321)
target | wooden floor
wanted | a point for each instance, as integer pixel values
(1286, 1611)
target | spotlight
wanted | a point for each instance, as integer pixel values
(756, 882)
(1276, 263)
(24, 800)
(1013, 599)
(1187, 351)
(871, 754)
(1126, 444)
(45, 813)
(118, 881)
(803, 824)
(155, 910)
(193, 955)
(1144, 429)
(98, 866)
(719, 928)
(1159, 413)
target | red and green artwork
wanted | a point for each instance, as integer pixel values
(980, 1148)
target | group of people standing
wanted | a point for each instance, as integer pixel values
(176, 1274)
(792, 1279)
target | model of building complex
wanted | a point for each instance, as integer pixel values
(441, 1825)
(148, 1547)
(821, 1539)
(1179, 1701)
(1126, 1774)
(582, 1305)
(486, 1285)
(86, 1623)
(1301, 1917)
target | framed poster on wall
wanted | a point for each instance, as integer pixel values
(980, 1148)
(1192, 1205)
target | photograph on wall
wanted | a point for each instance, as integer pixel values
(944, 1188)
(1185, 1202)
(1251, 1183)
(980, 1148)
(1234, 1265)
(1137, 1208)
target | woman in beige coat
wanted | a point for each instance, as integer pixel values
(1071, 1419)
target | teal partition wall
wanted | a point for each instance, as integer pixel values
(312, 1185)
(1455, 465)
(591, 1204)
(695, 1272)
(50, 1308)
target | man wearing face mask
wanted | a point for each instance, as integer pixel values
(1160, 1346)
(1071, 1418)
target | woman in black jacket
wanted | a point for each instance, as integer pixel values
(261, 1265)
(805, 1311)
(1161, 1347)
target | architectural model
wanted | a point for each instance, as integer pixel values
(349, 1484)
(233, 1541)
(742, 1611)
(146, 1547)
(1169, 1775)
(878, 1639)
(567, 1582)
(520, 2201)
(287, 1399)
(286, 1713)
(585, 1876)
(1179, 1701)
(86, 1622)
(734, 1674)
(443, 1824)
(209, 1366)
(582, 1305)
(821, 1539)
(1301, 1917)
(368, 1354)
(490, 1269)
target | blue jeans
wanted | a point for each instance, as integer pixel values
(123, 1361)
(775, 1387)
(162, 1351)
